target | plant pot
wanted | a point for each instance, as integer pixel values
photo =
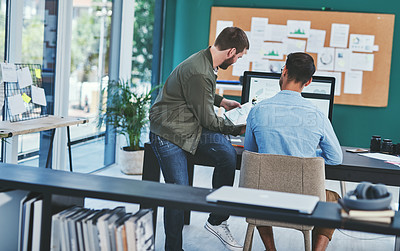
(131, 162)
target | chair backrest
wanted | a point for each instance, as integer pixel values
(283, 173)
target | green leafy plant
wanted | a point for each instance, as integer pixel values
(127, 110)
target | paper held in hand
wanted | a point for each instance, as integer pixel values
(238, 116)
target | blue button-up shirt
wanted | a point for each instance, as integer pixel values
(288, 124)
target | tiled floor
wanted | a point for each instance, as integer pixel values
(196, 238)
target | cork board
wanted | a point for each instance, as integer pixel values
(375, 84)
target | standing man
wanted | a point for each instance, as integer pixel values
(183, 121)
(288, 124)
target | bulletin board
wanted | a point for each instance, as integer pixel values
(375, 83)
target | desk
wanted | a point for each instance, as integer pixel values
(354, 168)
(55, 182)
(51, 122)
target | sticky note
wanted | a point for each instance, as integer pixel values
(26, 98)
(38, 73)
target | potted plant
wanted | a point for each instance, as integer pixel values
(127, 111)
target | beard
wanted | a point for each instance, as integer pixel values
(228, 62)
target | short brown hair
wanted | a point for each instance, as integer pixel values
(300, 67)
(232, 37)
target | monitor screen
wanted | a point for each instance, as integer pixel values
(262, 85)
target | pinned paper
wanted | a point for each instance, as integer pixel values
(362, 61)
(326, 59)
(275, 66)
(361, 43)
(336, 75)
(8, 72)
(260, 65)
(294, 45)
(38, 73)
(24, 77)
(342, 59)
(273, 50)
(16, 105)
(38, 96)
(26, 98)
(353, 82)
(275, 32)
(300, 29)
(339, 35)
(241, 65)
(316, 40)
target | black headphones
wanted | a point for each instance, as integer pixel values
(367, 196)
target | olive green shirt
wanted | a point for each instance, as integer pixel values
(185, 104)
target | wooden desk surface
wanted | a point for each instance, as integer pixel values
(9, 129)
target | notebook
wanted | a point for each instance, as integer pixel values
(289, 201)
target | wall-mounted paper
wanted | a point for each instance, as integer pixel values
(294, 45)
(222, 25)
(16, 104)
(326, 59)
(297, 28)
(38, 73)
(24, 77)
(361, 43)
(38, 96)
(342, 59)
(258, 27)
(316, 40)
(336, 75)
(273, 50)
(256, 48)
(339, 35)
(8, 72)
(275, 66)
(275, 32)
(362, 61)
(260, 65)
(353, 82)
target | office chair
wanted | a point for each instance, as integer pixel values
(283, 174)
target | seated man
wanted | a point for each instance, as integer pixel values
(288, 124)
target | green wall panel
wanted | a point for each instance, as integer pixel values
(187, 29)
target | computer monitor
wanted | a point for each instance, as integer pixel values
(264, 85)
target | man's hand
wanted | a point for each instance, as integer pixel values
(229, 104)
(243, 130)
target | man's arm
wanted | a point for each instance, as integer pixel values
(250, 143)
(330, 146)
(199, 97)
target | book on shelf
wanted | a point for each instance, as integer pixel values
(56, 238)
(106, 239)
(139, 231)
(380, 216)
(37, 223)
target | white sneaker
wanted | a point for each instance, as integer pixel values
(224, 235)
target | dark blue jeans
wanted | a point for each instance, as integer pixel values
(173, 162)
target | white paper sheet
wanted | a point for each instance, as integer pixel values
(8, 72)
(342, 59)
(326, 59)
(362, 61)
(16, 104)
(241, 65)
(38, 96)
(273, 50)
(381, 156)
(221, 24)
(336, 75)
(275, 66)
(316, 40)
(260, 65)
(258, 27)
(300, 29)
(294, 45)
(353, 82)
(24, 77)
(256, 45)
(275, 32)
(361, 43)
(339, 35)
